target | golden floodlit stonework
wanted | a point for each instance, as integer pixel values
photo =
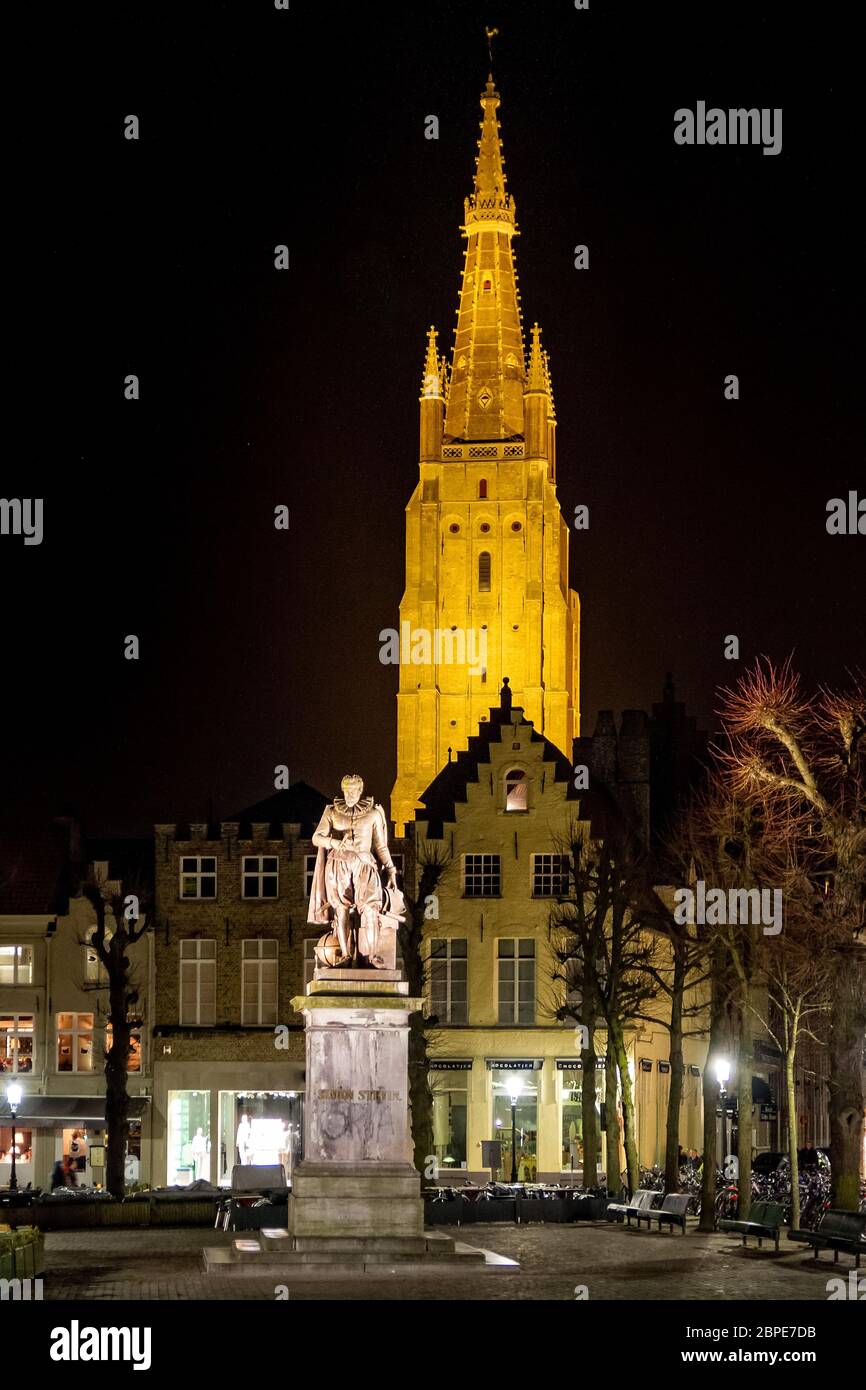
(486, 541)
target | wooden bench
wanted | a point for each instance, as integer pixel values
(765, 1220)
(672, 1212)
(837, 1230)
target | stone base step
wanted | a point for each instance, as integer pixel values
(248, 1257)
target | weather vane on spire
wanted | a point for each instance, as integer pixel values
(491, 35)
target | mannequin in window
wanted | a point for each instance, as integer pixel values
(505, 701)
(199, 1147)
(244, 1140)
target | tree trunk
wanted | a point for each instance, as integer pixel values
(792, 1137)
(589, 1117)
(710, 1087)
(420, 1096)
(745, 1068)
(116, 1095)
(614, 1181)
(846, 1086)
(675, 1097)
(628, 1132)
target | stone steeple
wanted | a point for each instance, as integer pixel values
(486, 397)
(487, 574)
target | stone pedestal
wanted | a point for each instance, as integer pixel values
(356, 1186)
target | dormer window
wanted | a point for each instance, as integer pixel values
(516, 790)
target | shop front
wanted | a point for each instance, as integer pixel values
(208, 1119)
(60, 1141)
(515, 1099)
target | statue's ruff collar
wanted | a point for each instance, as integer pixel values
(365, 804)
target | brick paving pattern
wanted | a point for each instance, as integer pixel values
(612, 1262)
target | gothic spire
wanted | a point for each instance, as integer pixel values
(486, 392)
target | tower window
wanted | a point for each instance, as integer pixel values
(484, 572)
(484, 527)
(486, 284)
(516, 790)
(516, 526)
(454, 528)
(482, 488)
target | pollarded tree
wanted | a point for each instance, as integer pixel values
(120, 923)
(799, 763)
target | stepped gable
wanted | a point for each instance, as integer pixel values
(449, 788)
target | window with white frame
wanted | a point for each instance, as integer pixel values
(516, 971)
(550, 875)
(482, 876)
(16, 965)
(74, 1042)
(448, 979)
(16, 1044)
(198, 876)
(198, 983)
(259, 983)
(260, 876)
(309, 871)
(134, 1063)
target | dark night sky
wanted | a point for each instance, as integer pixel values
(258, 127)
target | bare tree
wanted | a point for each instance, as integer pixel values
(799, 764)
(603, 957)
(111, 944)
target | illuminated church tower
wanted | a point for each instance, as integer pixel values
(486, 542)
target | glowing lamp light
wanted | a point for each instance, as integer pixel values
(13, 1095)
(722, 1070)
(514, 1088)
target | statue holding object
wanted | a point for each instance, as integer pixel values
(348, 895)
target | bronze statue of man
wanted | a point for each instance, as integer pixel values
(352, 842)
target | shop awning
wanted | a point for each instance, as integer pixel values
(44, 1112)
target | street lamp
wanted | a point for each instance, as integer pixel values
(723, 1072)
(13, 1096)
(514, 1093)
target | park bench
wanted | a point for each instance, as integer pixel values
(837, 1230)
(672, 1212)
(642, 1200)
(765, 1220)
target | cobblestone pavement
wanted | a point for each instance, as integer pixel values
(610, 1261)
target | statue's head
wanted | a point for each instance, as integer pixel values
(352, 786)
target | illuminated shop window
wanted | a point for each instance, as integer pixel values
(450, 1108)
(188, 1137)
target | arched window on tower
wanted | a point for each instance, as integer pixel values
(484, 572)
(516, 789)
(482, 489)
